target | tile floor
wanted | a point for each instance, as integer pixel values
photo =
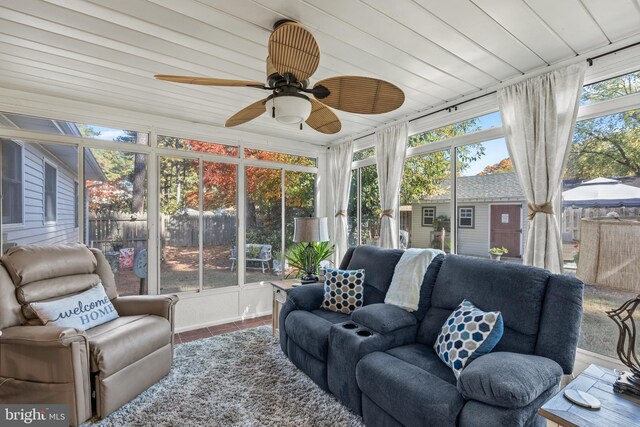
(197, 334)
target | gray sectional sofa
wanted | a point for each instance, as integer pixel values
(379, 361)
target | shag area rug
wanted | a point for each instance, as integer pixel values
(237, 379)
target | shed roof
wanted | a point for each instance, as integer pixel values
(484, 188)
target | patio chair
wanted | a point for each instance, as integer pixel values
(253, 253)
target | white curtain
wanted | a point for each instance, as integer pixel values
(340, 157)
(538, 117)
(391, 146)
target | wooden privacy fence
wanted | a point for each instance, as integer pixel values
(572, 216)
(182, 229)
(108, 231)
(116, 230)
(609, 254)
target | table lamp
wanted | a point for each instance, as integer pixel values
(310, 230)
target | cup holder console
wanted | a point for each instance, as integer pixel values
(349, 326)
(364, 333)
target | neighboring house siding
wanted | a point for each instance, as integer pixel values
(475, 241)
(34, 230)
(421, 237)
(471, 241)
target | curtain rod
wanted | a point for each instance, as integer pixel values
(449, 109)
(455, 107)
(590, 60)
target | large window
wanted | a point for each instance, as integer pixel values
(116, 220)
(601, 216)
(489, 201)
(364, 212)
(201, 146)
(219, 224)
(12, 182)
(463, 127)
(616, 87)
(426, 192)
(50, 192)
(179, 224)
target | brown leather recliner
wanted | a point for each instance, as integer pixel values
(112, 362)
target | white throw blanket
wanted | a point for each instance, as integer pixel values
(408, 275)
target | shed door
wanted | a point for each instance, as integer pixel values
(506, 228)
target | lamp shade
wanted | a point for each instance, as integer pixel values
(311, 229)
(289, 109)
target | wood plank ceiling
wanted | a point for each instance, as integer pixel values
(106, 51)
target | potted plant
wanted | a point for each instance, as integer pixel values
(496, 253)
(296, 257)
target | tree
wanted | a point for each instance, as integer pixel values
(138, 178)
(606, 146)
(609, 145)
(503, 166)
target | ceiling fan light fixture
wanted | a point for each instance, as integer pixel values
(289, 109)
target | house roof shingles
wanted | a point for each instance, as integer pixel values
(484, 188)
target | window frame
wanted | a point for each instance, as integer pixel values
(472, 217)
(14, 225)
(422, 216)
(44, 192)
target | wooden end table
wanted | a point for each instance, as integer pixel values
(280, 289)
(618, 409)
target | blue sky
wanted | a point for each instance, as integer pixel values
(495, 150)
(107, 134)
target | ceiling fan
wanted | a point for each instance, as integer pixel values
(293, 57)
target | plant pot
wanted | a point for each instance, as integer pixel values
(495, 256)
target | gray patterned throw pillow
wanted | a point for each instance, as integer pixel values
(343, 290)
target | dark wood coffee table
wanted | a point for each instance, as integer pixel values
(617, 409)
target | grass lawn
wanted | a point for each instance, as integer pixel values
(599, 333)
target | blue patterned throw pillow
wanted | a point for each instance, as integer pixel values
(343, 290)
(467, 334)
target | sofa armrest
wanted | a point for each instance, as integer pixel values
(383, 318)
(159, 305)
(41, 353)
(46, 364)
(508, 380)
(306, 297)
(41, 336)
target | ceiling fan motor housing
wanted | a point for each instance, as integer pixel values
(289, 107)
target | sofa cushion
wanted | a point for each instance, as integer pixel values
(517, 291)
(310, 330)
(343, 290)
(121, 342)
(81, 311)
(383, 318)
(508, 380)
(425, 358)
(408, 393)
(379, 265)
(468, 333)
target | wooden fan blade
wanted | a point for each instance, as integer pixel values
(246, 114)
(363, 95)
(208, 81)
(322, 118)
(292, 49)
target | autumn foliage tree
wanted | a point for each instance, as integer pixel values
(503, 166)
